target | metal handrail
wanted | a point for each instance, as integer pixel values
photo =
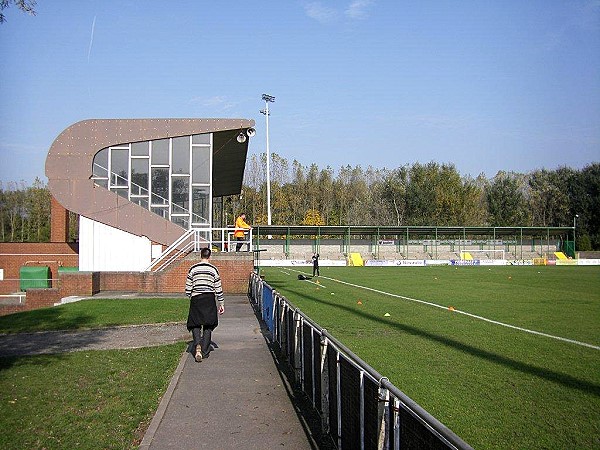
(196, 241)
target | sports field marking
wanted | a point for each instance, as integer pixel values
(316, 284)
(485, 319)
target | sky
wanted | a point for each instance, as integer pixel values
(486, 86)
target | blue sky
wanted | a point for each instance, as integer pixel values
(485, 85)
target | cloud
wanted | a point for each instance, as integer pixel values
(358, 9)
(217, 102)
(319, 12)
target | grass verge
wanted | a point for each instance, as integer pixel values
(97, 313)
(87, 400)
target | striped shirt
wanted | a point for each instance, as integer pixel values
(204, 278)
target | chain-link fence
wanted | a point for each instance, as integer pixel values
(359, 408)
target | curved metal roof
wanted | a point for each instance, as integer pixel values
(70, 158)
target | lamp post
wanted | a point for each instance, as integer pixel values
(574, 225)
(268, 98)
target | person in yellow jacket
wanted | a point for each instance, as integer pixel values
(241, 227)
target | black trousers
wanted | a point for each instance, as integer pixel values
(238, 246)
(202, 337)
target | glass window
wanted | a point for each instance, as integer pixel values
(181, 155)
(160, 152)
(201, 165)
(200, 204)
(201, 139)
(142, 201)
(100, 164)
(101, 183)
(119, 167)
(160, 186)
(121, 191)
(140, 149)
(139, 176)
(182, 221)
(180, 195)
(162, 212)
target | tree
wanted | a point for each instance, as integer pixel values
(27, 6)
(548, 199)
(506, 203)
(393, 190)
(588, 204)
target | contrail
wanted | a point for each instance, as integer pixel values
(91, 38)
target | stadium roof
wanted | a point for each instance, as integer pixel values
(265, 230)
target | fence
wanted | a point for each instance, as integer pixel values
(359, 408)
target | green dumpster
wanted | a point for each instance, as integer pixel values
(34, 277)
(68, 269)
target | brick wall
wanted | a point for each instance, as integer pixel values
(13, 256)
(234, 269)
(59, 222)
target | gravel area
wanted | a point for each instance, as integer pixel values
(50, 342)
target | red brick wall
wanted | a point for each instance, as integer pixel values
(15, 255)
(234, 271)
(59, 222)
(233, 268)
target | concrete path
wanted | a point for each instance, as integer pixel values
(236, 398)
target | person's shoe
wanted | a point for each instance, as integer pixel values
(198, 356)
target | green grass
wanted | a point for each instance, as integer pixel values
(97, 313)
(91, 399)
(86, 400)
(494, 386)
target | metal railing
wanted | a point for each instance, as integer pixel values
(359, 408)
(194, 240)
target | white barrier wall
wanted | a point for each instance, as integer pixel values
(105, 248)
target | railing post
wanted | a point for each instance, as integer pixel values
(383, 417)
(298, 347)
(362, 409)
(396, 417)
(338, 396)
(283, 329)
(324, 384)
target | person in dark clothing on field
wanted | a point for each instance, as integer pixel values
(315, 261)
(203, 286)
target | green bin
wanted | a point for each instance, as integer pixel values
(34, 277)
(68, 269)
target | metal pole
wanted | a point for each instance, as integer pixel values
(574, 225)
(268, 167)
(268, 98)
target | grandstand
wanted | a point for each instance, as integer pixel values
(335, 243)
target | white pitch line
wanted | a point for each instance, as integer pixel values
(316, 284)
(299, 271)
(485, 319)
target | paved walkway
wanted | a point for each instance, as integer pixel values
(236, 398)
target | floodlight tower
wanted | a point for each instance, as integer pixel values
(268, 99)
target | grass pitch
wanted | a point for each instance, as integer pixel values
(497, 387)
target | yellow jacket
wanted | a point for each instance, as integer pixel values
(240, 226)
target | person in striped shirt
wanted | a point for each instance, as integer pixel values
(203, 287)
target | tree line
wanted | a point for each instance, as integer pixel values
(430, 194)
